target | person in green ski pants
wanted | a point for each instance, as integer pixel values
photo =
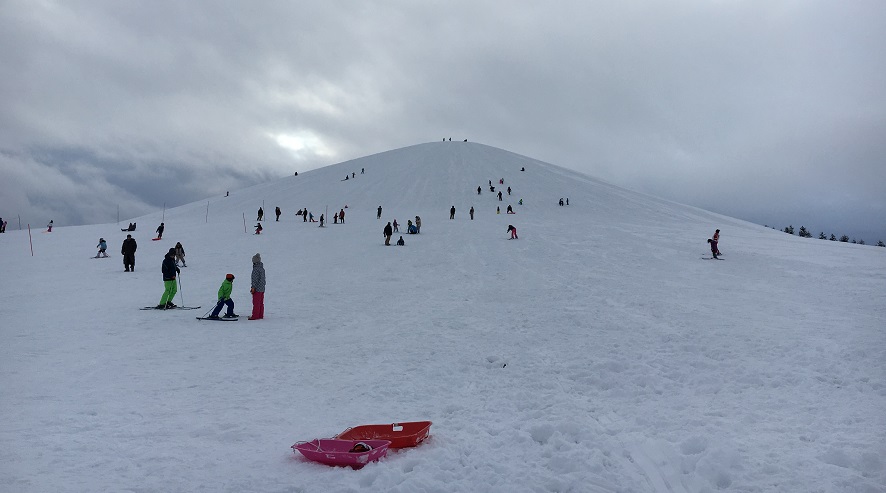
(169, 272)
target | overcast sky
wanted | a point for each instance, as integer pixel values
(771, 111)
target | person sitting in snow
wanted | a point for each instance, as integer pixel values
(400, 242)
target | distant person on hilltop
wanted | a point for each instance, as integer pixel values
(160, 230)
(49, 227)
(452, 212)
(378, 216)
(128, 251)
(471, 212)
(261, 214)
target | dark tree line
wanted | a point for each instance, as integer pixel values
(804, 233)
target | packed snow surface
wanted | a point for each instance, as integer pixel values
(599, 352)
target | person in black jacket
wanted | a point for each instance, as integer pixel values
(160, 230)
(388, 232)
(169, 271)
(128, 251)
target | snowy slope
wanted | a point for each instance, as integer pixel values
(596, 353)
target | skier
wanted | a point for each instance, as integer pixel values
(417, 225)
(258, 288)
(224, 299)
(160, 231)
(452, 212)
(471, 212)
(400, 242)
(378, 216)
(261, 214)
(388, 232)
(714, 251)
(396, 226)
(169, 271)
(277, 212)
(102, 247)
(513, 231)
(715, 241)
(49, 227)
(180, 254)
(128, 252)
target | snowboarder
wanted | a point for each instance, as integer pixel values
(277, 212)
(471, 212)
(400, 242)
(378, 216)
(714, 251)
(716, 241)
(396, 226)
(261, 214)
(258, 288)
(180, 254)
(102, 247)
(160, 230)
(513, 231)
(452, 212)
(169, 287)
(224, 299)
(417, 225)
(128, 252)
(388, 232)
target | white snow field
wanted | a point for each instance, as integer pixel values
(596, 353)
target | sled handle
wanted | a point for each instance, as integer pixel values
(303, 442)
(342, 433)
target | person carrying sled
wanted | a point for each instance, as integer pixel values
(160, 230)
(169, 286)
(180, 254)
(258, 288)
(102, 247)
(128, 252)
(224, 299)
(388, 232)
(513, 231)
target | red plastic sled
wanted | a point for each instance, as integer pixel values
(338, 452)
(399, 434)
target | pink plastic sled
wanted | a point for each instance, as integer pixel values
(336, 452)
(400, 434)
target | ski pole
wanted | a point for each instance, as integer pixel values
(180, 293)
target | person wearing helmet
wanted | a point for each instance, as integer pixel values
(102, 247)
(224, 298)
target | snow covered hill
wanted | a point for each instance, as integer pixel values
(598, 352)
